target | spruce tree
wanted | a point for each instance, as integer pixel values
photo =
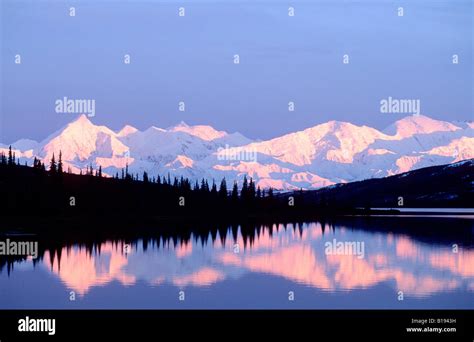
(223, 189)
(244, 192)
(235, 192)
(214, 188)
(251, 189)
(270, 192)
(10, 156)
(53, 167)
(60, 162)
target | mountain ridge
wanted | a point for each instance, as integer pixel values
(321, 155)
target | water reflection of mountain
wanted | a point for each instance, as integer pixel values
(293, 252)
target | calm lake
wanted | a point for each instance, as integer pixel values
(397, 263)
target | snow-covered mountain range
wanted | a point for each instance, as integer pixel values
(328, 153)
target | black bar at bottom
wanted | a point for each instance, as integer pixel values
(448, 325)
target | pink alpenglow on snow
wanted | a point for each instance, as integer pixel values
(322, 155)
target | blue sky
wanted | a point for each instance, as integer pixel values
(190, 59)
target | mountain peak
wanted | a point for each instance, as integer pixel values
(418, 124)
(126, 130)
(338, 128)
(81, 123)
(24, 144)
(82, 119)
(203, 132)
(182, 124)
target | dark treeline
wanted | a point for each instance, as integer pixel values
(49, 190)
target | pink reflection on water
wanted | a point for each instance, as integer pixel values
(202, 277)
(416, 268)
(80, 271)
(461, 263)
(184, 249)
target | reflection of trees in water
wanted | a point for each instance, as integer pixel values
(433, 230)
(202, 257)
